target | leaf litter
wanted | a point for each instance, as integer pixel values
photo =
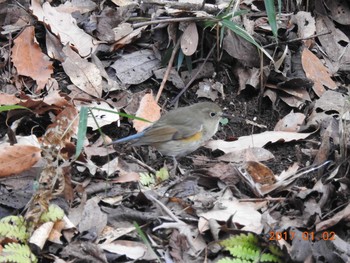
(278, 169)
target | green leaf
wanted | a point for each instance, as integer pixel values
(12, 107)
(162, 174)
(224, 121)
(83, 115)
(271, 14)
(180, 59)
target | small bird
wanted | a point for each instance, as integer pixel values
(180, 131)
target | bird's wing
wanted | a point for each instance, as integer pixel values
(173, 131)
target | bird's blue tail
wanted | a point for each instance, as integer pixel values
(129, 138)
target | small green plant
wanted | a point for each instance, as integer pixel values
(150, 180)
(18, 253)
(247, 248)
(16, 231)
(15, 228)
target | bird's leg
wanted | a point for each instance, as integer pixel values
(173, 170)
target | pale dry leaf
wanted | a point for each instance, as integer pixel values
(335, 45)
(125, 171)
(136, 67)
(291, 122)
(244, 213)
(292, 101)
(92, 217)
(344, 215)
(148, 110)
(305, 22)
(64, 26)
(53, 96)
(41, 234)
(250, 154)
(29, 60)
(81, 6)
(17, 158)
(124, 2)
(332, 101)
(189, 39)
(101, 113)
(205, 90)
(255, 140)
(317, 72)
(85, 75)
(54, 46)
(8, 99)
(173, 77)
(111, 84)
(122, 30)
(129, 38)
(131, 249)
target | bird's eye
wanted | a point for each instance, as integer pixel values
(212, 114)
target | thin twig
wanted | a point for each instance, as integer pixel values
(174, 20)
(186, 6)
(297, 39)
(193, 78)
(149, 168)
(262, 199)
(167, 72)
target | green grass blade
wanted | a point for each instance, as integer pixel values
(271, 15)
(122, 114)
(12, 107)
(244, 34)
(83, 115)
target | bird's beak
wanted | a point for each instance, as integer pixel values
(226, 115)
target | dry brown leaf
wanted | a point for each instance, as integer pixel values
(148, 110)
(65, 126)
(317, 72)
(65, 26)
(189, 39)
(85, 75)
(17, 158)
(29, 60)
(260, 173)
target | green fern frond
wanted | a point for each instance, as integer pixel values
(243, 239)
(53, 214)
(17, 253)
(247, 248)
(268, 257)
(233, 260)
(244, 252)
(275, 250)
(14, 227)
(147, 179)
